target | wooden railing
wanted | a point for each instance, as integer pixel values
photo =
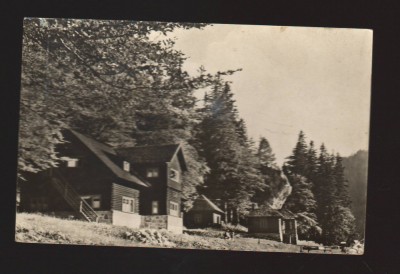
(72, 197)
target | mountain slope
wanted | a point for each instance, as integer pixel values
(356, 172)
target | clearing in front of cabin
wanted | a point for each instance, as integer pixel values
(36, 228)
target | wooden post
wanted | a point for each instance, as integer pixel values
(80, 206)
(226, 213)
(237, 216)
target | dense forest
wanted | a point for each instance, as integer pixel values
(320, 194)
(110, 80)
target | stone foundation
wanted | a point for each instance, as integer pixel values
(154, 221)
(170, 223)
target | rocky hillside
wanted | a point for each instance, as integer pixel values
(282, 191)
(356, 172)
(277, 188)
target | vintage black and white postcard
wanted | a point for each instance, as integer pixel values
(189, 135)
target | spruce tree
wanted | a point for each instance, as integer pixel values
(336, 219)
(324, 184)
(269, 172)
(297, 162)
(266, 158)
(338, 225)
(298, 169)
(311, 162)
(341, 182)
(233, 177)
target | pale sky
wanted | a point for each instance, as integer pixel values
(294, 78)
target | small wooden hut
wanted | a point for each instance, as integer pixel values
(273, 223)
(204, 213)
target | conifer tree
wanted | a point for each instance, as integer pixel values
(299, 166)
(269, 172)
(264, 154)
(324, 185)
(336, 219)
(319, 194)
(297, 162)
(233, 176)
(301, 201)
(341, 182)
(311, 162)
(338, 225)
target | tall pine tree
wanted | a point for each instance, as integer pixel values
(233, 176)
(297, 163)
(266, 158)
(333, 213)
(302, 201)
(342, 191)
(312, 167)
(275, 183)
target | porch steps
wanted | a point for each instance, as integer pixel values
(72, 197)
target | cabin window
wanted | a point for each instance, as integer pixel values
(72, 162)
(96, 202)
(128, 204)
(152, 172)
(93, 200)
(173, 209)
(154, 207)
(126, 166)
(216, 218)
(174, 175)
(197, 218)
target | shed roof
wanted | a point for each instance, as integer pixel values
(101, 151)
(202, 203)
(153, 154)
(266, 211)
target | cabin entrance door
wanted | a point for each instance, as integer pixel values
(87, 199)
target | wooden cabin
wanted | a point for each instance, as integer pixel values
(204, 213)
(275, 224)
(135, 187)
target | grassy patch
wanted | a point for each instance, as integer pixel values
(34, 228)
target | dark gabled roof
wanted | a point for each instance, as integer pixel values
(101, 151)
(153, 154)
(287, 214)
(266, 211)
(202, 203)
